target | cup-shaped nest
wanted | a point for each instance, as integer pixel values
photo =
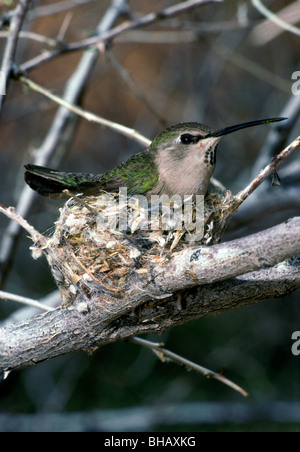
(100, 241)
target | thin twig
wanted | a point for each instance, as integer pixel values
(24, 300)
(267, 30)
(126, 77)
(146, 20)
(274, 17)
(56, 8)
(11, 46)
(64, 27)
(268, 171)
(191, 32)
(33, 36)
(52, 300)
(162, 352)
(130, 133)
(13, 215)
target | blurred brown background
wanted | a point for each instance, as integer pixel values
(211, 65)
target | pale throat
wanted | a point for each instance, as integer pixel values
(188, 173)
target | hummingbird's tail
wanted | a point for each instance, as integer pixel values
(52, 183)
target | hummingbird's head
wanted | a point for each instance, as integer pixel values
(185, 155)
(183, 139)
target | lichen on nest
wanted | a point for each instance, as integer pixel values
(99, 241)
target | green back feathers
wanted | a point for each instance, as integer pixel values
(139, 174)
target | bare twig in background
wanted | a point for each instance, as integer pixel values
(17, 222)
(56, 8)
(268, 30)
(282, 203)
(190, 33)
(51, 301)
(64, 27)
(146, 20)
(10, 49)
(119, 128)
(33, 36)
(275, 17)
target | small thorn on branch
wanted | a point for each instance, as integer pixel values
(166, 355)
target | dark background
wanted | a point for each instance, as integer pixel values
(221, 77)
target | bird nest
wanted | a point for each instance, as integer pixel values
(100, 241)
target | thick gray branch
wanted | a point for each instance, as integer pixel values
(211, 264)
(94, 321)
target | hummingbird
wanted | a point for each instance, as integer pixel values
(179, 161)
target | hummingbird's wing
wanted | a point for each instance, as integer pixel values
(138, 175)
(52, 183)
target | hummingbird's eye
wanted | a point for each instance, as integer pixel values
(187, 138)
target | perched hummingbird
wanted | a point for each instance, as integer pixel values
(181, 160)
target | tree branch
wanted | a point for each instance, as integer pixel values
(207, 265)
(96, 319)
(275, 18)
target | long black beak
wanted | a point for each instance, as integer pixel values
(227, 130)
